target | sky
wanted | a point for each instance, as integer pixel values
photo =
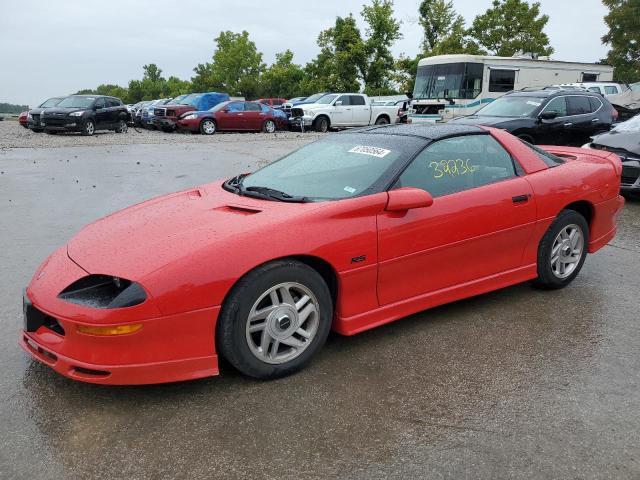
(50, 48)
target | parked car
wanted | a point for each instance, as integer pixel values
(624, 141)
(273, 102)
(628, 102)
(340, 110)
(22, 119)
(166, 117)
(147, 115)
(86, 114)
(603, 88)
(33, 117)
(232, 115)
(547, 116)
(387, 222)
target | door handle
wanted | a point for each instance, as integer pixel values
(521, 198)
(568, 125)
(595, 120)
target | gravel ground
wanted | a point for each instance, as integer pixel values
(13, 135)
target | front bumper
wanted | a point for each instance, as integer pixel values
(630, 182)
(165, 122)
(167, 348)
(191, 124)
(297, 122)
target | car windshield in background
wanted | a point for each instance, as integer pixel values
(326, 99)
(343, 166)
(511, 106)
(314, 97)
(52, 102)
(218, 107)
(631, 125)
(76, 102)
(192, 100)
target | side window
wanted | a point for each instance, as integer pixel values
(578, 105)
(558, 105)
(112, 102)
(99, 103)
(595, 90)
(344, 99)
(265, 108)
(456, 164)
(251, 107)
(277, 101)
(501, 80)
(610, 90)
(236, 107)
(595, 104)
(357, 100)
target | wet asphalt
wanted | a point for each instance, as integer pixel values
(518, 383)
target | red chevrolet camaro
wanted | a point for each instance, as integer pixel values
(350, 232)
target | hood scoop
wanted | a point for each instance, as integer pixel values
(238, 209)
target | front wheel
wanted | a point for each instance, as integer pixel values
(322, 125)
(208, 127)
(89, 128)
(275, 319)
(562, 250)
(269, 126)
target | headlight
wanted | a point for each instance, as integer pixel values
(307, 113)
(189, 116)
(29, 117)
(104, 291)
(76, 114)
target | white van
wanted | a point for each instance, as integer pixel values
(449, 86)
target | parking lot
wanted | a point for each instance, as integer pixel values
(516, 383)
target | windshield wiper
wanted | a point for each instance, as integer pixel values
(271, 193)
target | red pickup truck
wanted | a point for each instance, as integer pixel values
(165, 117)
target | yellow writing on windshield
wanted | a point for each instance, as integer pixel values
(452, 168)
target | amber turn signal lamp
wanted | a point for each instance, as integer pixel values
(117, 330)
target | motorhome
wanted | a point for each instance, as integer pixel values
(449, 86)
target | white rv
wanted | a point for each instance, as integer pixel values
(449, 86)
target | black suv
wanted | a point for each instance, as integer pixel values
(86, 114)
(547, 116)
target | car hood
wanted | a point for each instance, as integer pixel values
(141, 239)
(629, 141)
(63, 111)
(487, 120)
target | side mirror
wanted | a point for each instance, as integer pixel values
(225, 110)
(338, 103)
(403, 199)
(549, 115)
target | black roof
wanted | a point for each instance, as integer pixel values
(425, 130)
(551, 92)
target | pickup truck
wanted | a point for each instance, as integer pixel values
(341, 110)
(165, 117)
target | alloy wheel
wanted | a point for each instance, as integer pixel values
(567, 251)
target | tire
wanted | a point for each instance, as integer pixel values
(286, 351)
(321, 124)
(382, 121)
(558, 242)
(122, 127)
(89, 128)
(269, 126)
(208, 127)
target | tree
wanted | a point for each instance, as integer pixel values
(404, 74)
(235, 69)
(437, 18)
(282, 78)
(174, 87)
(382, 31)
(623, 21)
(512, 26)
(153, 84)
(341, 58)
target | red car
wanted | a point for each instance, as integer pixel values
(234, 116)
(22, 119)
(350, 232)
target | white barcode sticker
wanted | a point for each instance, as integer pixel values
(373, 151)
(535, 104)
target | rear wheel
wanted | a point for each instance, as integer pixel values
(122, 127)
(562, 250)
(207, 127)
(269, 126)
(382, 121)
(275, 319)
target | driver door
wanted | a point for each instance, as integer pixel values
(481, 219)
(102, 114)
(341, 115)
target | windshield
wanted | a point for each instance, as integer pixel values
(635, 87)
(448, 80)
(76, 102)
(52, 102)
(314, 97)
(342, 166)
(326, 99)
(631, 125)
(511, 106)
